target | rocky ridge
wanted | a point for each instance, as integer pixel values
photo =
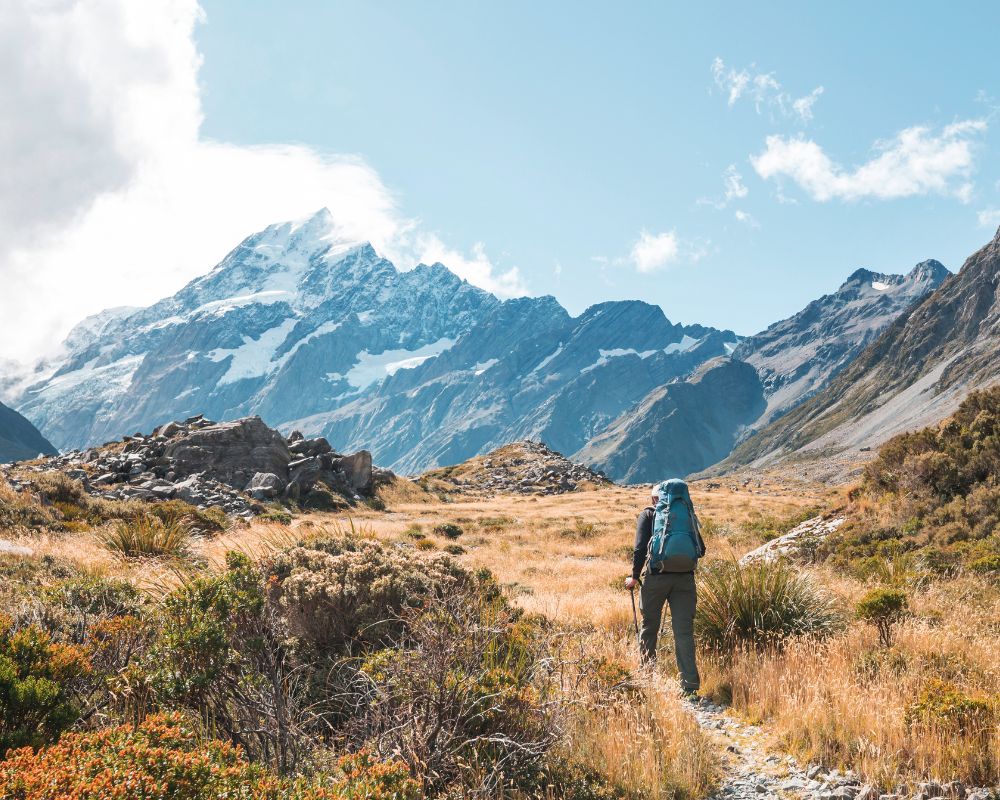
(527, 467)
(235, 466)
(799, 543)
(19, 438)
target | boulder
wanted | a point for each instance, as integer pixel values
(265, 485)
(357, 469)
(230, 452)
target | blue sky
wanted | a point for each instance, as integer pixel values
(729, 162)
(555, 134)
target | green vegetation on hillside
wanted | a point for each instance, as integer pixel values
(931, 499)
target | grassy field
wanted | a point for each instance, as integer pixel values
(926, 707)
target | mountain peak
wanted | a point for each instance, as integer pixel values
(931, 268)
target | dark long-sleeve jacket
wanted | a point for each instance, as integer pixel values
(643, 533)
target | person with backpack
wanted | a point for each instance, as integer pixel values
(668, 545)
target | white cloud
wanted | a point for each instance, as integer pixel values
(746, 218)
(765, 91)
(917, 161)
(110, 196)
(733, 182)
(653, 252)
(989, 218)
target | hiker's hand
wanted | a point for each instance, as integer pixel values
(630, 582)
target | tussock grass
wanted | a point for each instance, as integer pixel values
(148, 536)
(759, 605)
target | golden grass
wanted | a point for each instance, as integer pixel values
(843, 703)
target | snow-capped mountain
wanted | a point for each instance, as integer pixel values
(310, 331)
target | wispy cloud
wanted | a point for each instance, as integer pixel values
(916, 161)
(746, 218)
(733, 188)
(764, 90)
(989, 218)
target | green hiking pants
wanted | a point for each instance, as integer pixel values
(677, 589)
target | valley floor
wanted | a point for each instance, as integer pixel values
(764, 718)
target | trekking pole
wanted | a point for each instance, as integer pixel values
(635, 620)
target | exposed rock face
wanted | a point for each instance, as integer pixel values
(799, 355)
(916, 373)
(799, 543)
(232, 466)
(229, 452)
(680, 428)
(19, 439)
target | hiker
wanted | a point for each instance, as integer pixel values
(668, 545)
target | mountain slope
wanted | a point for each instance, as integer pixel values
(19, 439)
(682, 427)
(314, 333)
(797, 356)
(915, 373)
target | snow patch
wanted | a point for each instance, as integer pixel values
(482, 366)
(729, 347)
(376, 367)
(879, 286)
(682, 346)
(618, 352)
(548, 359)
(255, 357)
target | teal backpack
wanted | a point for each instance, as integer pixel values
(675, 543)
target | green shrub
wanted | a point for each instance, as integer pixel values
(765, 526)
(278, 515)
(37, 682)
(449, 530)
(148, 536)
(454, 549)
(759, 605)
(883, 609)
(944, 706)
(164, 758)
(55, 487)
(415, 531)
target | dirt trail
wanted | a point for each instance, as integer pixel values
(752, 770)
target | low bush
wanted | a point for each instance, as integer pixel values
(759, 605)
(346, 593)
(449, 530)
(425, 544)
(164, 758)
(148, 536)
(883, 609)
(943, 706)
(38, 678)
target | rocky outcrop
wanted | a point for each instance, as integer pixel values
(232, 465)
(800, 543)
(520, 468)
(680, 428)
(19, 439)
(229, 452)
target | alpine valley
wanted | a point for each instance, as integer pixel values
(423, 369)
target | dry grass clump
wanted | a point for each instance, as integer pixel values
(148, 536)
(849, 701)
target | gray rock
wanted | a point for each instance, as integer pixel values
(265, 485)
(231, 452)
(357, 468)
(9, 547)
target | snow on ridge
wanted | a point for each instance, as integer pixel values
(880, 286)
(371, 368)
(685, 344)
(483, 366)
(255, 357)
(548, 359)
